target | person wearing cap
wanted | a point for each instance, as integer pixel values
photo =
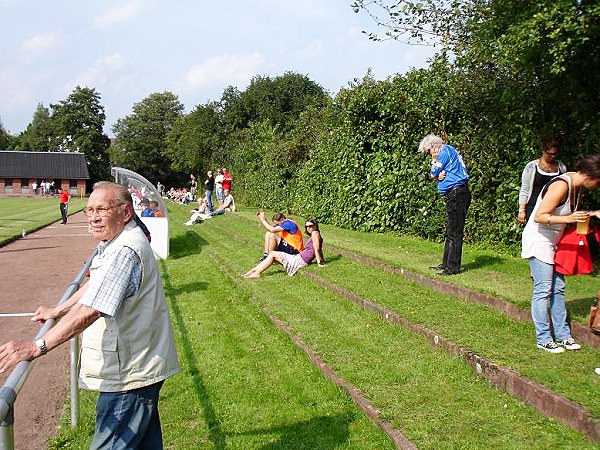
(449, 172)
(146, 211)
(313, 249)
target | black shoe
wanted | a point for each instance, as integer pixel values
(438, 267)
(445, 273)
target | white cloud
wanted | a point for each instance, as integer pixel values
(223, 69)
(310, 51)
(100, 72)
(121, 13)
(41, 43)
(15, 94)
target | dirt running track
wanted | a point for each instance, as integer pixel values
(37, 270)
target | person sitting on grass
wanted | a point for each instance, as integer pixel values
(198, 212)
(284, 236)
(291, 263)
(228, 205)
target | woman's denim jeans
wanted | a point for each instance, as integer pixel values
(548, 292)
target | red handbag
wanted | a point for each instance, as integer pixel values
(572, 256)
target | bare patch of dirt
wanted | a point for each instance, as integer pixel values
(37, 270)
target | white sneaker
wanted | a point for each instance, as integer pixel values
(551, 347)
(570, 344)
(597, 370)
(188, 223)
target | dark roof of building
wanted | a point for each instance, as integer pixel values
(52, 165)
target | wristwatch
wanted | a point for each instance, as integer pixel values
(41, 344)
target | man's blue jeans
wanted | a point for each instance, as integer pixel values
(548, 292)
(128, 420)
(209, 199)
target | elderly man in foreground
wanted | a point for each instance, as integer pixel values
(127, 346)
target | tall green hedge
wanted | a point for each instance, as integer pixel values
(359, 166)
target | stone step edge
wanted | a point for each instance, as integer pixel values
(400, 441)
(544, 400)
(578, 331)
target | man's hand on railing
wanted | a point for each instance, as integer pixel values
(14, 352)
(44, 313)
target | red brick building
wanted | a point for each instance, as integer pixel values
(19, 171)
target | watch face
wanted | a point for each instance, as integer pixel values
(41, 344)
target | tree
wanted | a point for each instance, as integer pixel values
(78, 124)
(4, 137)
(281, 100)
(545, 52)
(194, 138)
(39, 134)
(141, 138)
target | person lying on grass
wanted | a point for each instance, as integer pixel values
(291, 263)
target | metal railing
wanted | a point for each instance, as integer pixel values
(18, 377)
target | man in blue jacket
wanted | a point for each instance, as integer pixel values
(450, 174)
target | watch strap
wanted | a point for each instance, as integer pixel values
(41, 344)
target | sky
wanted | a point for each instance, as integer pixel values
(129, 49)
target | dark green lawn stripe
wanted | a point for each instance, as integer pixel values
(543, 399)
(499, 275)
(271, 293)
(578, 331)
(400, 441)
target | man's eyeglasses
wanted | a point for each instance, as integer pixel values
(102, 211)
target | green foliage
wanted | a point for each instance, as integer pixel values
(77, 125)
(193, 139)
(7, 141)
(279, 101)
(40, 133)
(141, 138)
(268, 131)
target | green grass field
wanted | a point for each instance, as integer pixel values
(246, 385)
(31, 213)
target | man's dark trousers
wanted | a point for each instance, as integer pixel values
(457, 201)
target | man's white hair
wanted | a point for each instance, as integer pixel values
(429, 141)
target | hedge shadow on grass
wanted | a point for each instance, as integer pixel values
(215, 434)
(190, 243)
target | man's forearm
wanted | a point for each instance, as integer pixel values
(65, 307)
(74, 322)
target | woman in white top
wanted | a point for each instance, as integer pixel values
(554, 209)
(535, 176)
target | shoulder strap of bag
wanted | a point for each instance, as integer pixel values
(579, 194)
